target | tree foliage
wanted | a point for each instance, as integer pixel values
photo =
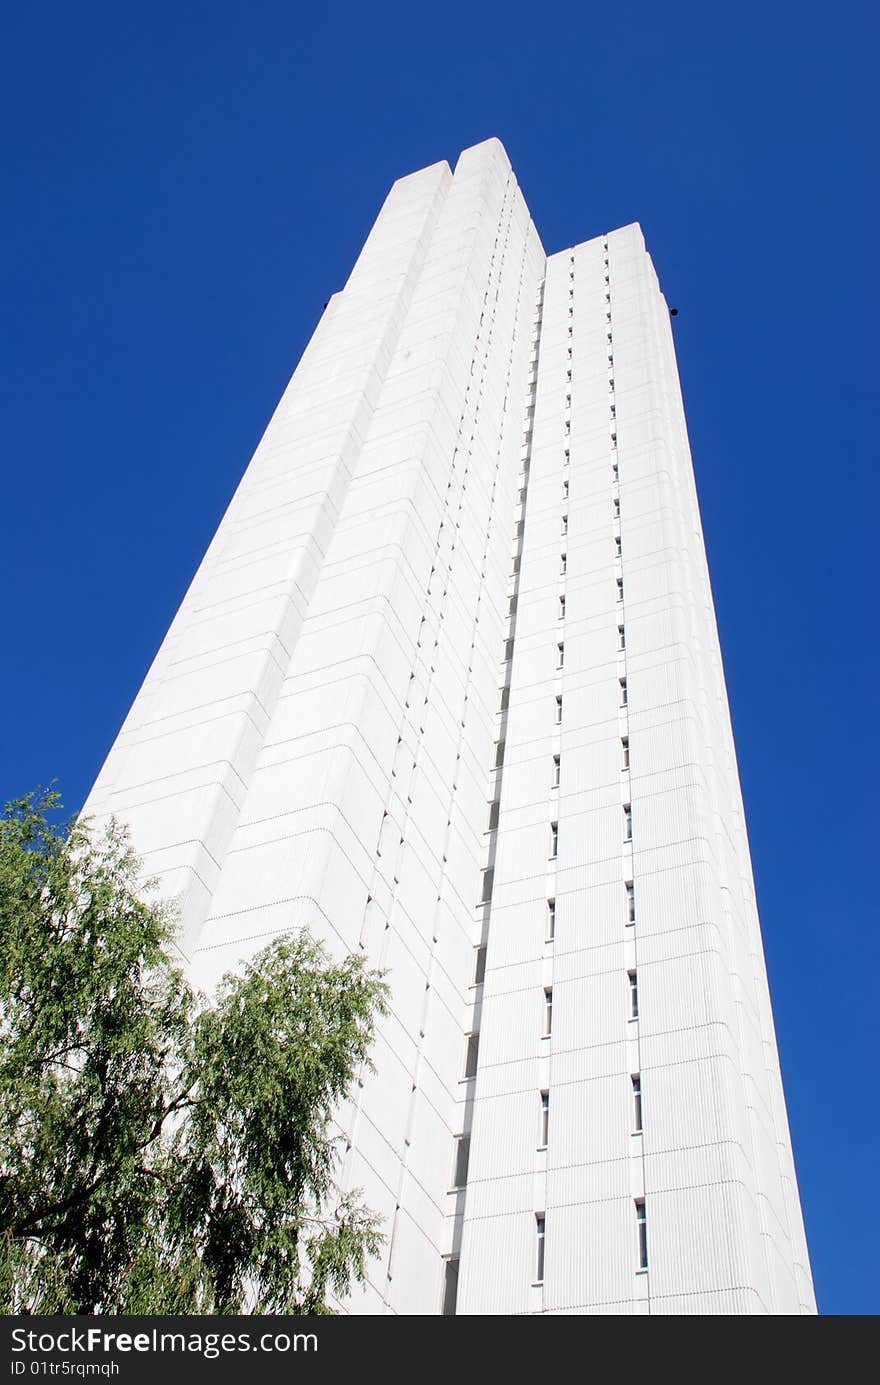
(160, 1153)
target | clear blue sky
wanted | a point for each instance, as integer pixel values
(186, 184)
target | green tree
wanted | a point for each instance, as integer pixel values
(160, 1153)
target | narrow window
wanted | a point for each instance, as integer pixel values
(562, 608)
(470, 1062)
(565, 489)
(616, 508)
(450, 1286)
(560, 655)
(630, 902)
(539, 1258)
(623, 699)
(565, 524)
(627, 822)
(554, 839)
(633, 995)
(642, 1224)
(557, 765)
(621, 637)
(508, 651)
(617, 548)
(620, 588)
(563, 561)
(480, 965)
(494, 809)
(624, 752)
(614, 471)
(637, 1104)
(462, 1156)
(545, 1120)
(559, 711)
(568, 427)
(488, 877)
(548, 1011)
(499, 754)
(551, 920)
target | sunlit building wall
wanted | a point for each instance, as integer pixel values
(447, 689)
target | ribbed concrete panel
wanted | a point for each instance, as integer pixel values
(640, 815)
(255, 582)
(447, 690)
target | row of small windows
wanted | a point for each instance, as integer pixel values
(550, 926)
(560, 659)
(560, 647)
(550, 931)
(554, 826)
(641, 1234)
(462, 1151)
(563, 564)
(625, 763)
(544, 1127)
(563, 558)
(556, 773)
(472, 1047)
(632, 981)
(450, 1280)
(462, 1148)
(627, 809)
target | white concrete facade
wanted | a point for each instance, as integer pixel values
(447, 688)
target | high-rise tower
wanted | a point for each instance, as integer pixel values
(447, 688)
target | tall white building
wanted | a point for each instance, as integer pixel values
(447, 688)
